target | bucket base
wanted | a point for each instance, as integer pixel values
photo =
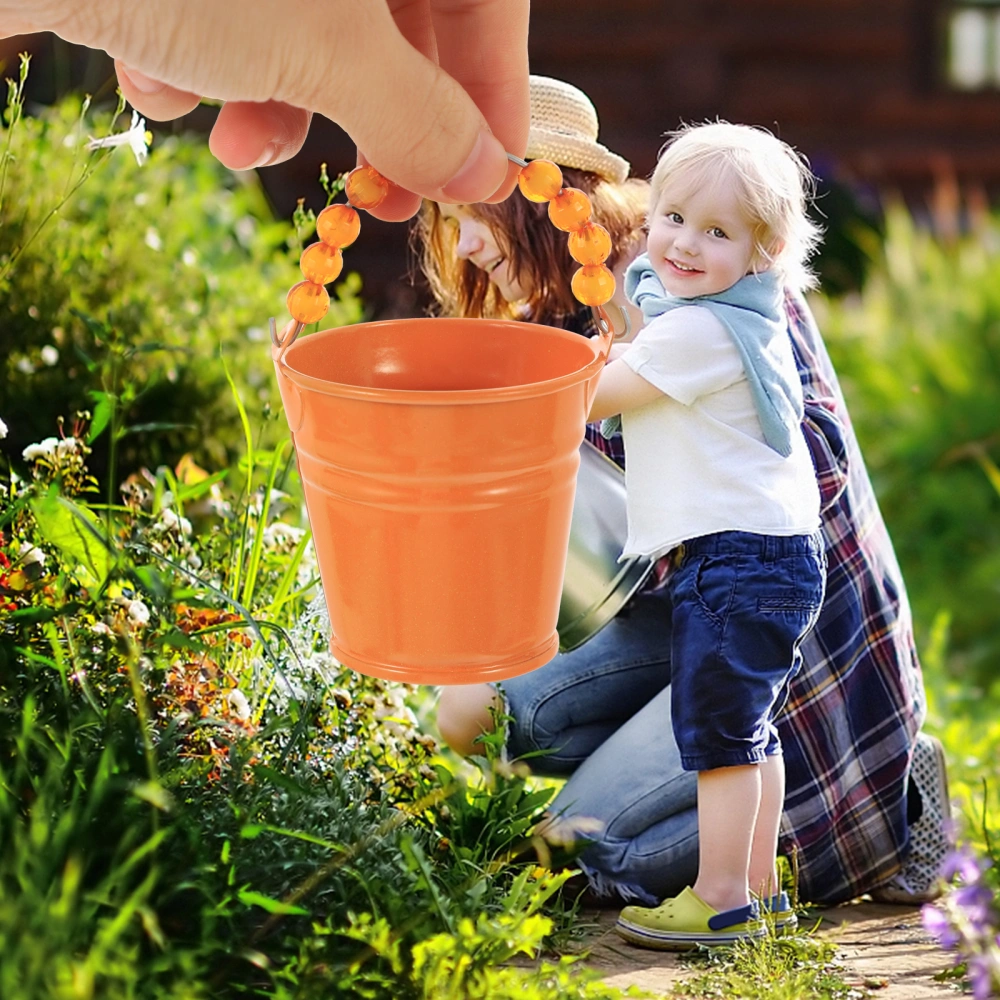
(443, 675)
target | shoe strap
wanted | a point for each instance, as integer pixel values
(727, 918)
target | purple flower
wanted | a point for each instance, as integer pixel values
(975, 903)
(962, 864)
(936, 924)
(980, 969)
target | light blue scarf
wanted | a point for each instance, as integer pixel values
(753, 312)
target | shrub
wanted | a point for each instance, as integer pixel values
(196, 800)
(128, 279)
(918, 352)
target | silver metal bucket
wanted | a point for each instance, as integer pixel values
(596, 585)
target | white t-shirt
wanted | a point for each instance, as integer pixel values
(696, 459)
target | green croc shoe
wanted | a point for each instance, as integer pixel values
(687, 921)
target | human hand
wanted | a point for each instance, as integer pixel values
(434, 93)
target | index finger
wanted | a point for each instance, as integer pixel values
(483, 44)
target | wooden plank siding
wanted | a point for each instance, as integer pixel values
(855, 85)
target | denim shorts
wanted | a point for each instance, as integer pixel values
(742, 604)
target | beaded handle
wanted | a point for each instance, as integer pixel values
(338, 226)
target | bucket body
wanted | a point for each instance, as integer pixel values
(438, 459)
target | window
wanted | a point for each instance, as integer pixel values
(973, 45)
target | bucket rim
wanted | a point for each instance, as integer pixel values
(439, 396)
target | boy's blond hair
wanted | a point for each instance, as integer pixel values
(773, 183)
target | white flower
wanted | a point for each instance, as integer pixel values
(308, 568)
(153, 239)
(278, 532)
(68, 446)
(50, 355)
(138, 612)
(100, 628)
(276, 500)
(239, 704)
(28, 554)
(41, 450)
(192, 560)
(3, 430)
(136, 138)
(169, 521)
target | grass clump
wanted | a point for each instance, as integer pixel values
(790, 967)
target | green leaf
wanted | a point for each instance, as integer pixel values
(258, 542)
(35, 616)
(98, 328)
(176, 639)
(155, 794)
(990, 468)
(77, 532)
(249, 898)
(153, 581)
(253, 830)
(264, 773)
(195, 490)
(102, 414)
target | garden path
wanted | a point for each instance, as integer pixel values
(882, 948)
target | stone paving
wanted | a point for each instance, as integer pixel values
(883, 948)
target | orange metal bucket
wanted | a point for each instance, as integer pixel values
(438, 459)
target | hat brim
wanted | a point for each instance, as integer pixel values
(576, 153)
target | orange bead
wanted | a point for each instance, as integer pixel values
(366, 188)
(569, 210)
(540, 180)
(593, 285)
(338, 225)
(590, 244)
(321, 263)
(308, 302)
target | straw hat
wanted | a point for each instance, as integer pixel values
(564, 130)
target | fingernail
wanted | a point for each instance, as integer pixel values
(481, 174)
(143, 83)
(269, 152)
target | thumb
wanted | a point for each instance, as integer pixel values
(12, 24)
(415, 124)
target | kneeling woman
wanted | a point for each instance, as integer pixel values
(600, 715)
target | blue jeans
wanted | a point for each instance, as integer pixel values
(602, 715)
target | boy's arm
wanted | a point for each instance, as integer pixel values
(620, 389)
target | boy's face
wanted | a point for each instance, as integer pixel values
(700, 241)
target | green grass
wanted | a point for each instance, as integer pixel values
(791, 967)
